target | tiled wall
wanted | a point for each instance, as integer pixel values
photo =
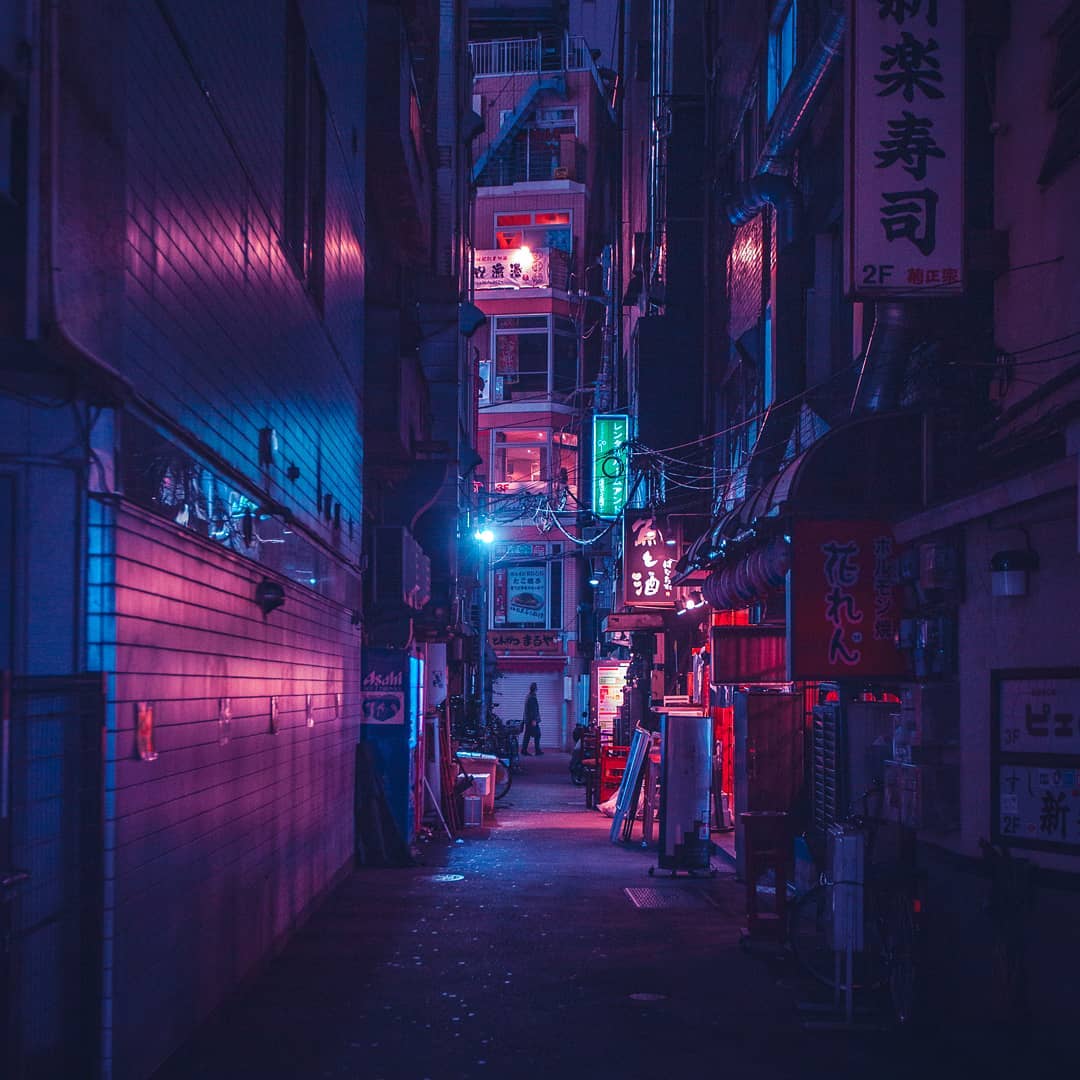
(214, 849)
(174, 114)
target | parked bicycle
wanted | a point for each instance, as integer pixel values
(1012, 897)
(495, 737)
(892, 894)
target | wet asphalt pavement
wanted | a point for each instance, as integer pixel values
(519, 953)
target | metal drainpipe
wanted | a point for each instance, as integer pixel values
(881, 377)
(790, 119)
(796, 104)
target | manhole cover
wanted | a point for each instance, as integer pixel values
(668, 898)
(447, 877)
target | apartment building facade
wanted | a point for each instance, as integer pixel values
(542, 230)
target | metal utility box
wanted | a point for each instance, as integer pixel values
(391, 705)
(845, 854)
(685, 786)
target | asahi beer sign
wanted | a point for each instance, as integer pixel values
(382, 688)
(905, 148)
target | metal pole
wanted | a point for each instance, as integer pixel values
(483, 631)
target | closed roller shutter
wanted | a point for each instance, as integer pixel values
(510, 692)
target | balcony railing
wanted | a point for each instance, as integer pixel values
(531, 56)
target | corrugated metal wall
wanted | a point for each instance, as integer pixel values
(512, 689)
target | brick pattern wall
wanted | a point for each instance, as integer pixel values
(746, 277)
(212, 851)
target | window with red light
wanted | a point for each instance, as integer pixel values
(542, 229)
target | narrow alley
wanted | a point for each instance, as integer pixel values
(520, 952)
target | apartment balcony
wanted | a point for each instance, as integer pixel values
(545, 53)
(535, 157)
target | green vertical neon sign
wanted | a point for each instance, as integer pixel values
(610, 433)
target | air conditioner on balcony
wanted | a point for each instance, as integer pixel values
(567, 169)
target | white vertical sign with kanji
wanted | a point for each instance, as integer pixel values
(904, 168)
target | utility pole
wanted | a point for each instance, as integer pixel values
(604, 383)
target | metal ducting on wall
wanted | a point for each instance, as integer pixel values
(796, 104)
(881, 378)
(753, 576)
(789, 121)
(766, 189)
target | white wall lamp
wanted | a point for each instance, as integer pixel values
(1009, 571)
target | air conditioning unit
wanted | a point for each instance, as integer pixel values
(567, 169)
(401, 570)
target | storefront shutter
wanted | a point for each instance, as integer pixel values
(511, 690)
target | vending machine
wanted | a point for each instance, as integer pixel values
(607, 684)
(391, 708)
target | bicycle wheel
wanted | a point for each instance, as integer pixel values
(898, 945)
(810, 937)
(503, 778)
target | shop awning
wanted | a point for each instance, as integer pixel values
(870, 467)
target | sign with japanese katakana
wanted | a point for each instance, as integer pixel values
(610, 434)
(904, 168)
(845, 602)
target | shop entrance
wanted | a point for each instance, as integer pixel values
(509, 695)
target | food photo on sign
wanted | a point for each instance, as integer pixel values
(526, 590)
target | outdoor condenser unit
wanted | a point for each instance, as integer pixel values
(845, 850)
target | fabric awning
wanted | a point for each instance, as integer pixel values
(871, 466)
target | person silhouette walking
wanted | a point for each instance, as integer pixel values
(531, 722)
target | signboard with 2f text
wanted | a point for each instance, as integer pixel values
(1035, 759)
(904, 153)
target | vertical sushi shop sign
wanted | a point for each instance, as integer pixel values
(904, 167)
(844, 602)
(610, 435)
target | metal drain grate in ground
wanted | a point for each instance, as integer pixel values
(668, 898)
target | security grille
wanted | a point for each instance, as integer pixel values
(669, 898)
(825, 779)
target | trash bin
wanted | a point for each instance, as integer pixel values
(474, 810)
(768, 843)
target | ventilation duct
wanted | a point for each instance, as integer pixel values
(789, 121)
(881, 379)
(796, 104)
(759, 191)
